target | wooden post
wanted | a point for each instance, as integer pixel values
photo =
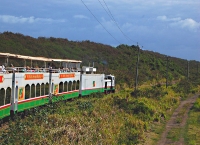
(188, 70)
(167, 66)
(136, 77)
(197, 70)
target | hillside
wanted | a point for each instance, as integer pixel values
(123, 117)
(120, 61)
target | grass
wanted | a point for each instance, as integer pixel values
(192, 129)
(174, 134)
(182, 112)
(119, 118)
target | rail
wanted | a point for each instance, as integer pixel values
(36, 70)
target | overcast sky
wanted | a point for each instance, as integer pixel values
(170, 27)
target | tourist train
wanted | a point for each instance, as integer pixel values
(26, 87)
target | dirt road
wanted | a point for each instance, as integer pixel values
(177, 121)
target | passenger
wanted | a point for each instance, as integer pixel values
(49, 65)
(65, 69)
(32, 69)
(43, 69)
(3, 69)
(24, 69)
(36, 69)
(27, 68)
(59, 70)
(50, 69)
(13, 68)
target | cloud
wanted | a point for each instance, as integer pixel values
(187, 23)
(81, 17)
(182, 23)
(164, 18)
(14, 19)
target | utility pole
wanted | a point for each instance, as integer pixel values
(188, 70)
(136, 77)
(197, 70)
(167, 66)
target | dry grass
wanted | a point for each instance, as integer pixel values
(116, 118)
(192, 130)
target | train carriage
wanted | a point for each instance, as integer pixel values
(5, 95)
(22, 88)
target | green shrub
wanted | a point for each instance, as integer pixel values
(84, 105)
(196, 106)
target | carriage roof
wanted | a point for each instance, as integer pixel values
(9, 55)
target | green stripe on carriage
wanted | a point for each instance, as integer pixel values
(5, 112)
(43, 101)
(65, 96)
(32, 104)
(90, 91)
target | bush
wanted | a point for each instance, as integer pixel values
(196, 106)
(84, 105)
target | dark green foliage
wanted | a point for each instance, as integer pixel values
(130, 134)
(154, 92)
(96, 95)
(119, 61)
(84, 105)
(141, 110)
(184, 87)
(196, 106)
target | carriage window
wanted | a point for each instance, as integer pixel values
(8, 96)
(42, 89)
(61, 87)
(2, 97)
(47, 89)
(65, 87)
(74, 85)
(38, 91)
(33, 91)
(70, 86)
(27, 92)
(77, 85)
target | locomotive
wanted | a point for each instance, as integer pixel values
(27, 87)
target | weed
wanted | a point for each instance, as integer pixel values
(174, 134)
(192, 129)
(196, 106)
(115, 119)
(84, 105)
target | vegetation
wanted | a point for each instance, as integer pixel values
(118, 118)
(126, 117)
(192, 136)
(152, 65)
(113, 119)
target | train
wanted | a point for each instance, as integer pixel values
(25, 87)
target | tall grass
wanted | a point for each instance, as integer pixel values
(192, 130)
(120, 118)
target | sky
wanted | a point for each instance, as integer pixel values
(170, 27)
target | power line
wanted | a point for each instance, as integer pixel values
(106, 10)
(113, 19)
(100, 22)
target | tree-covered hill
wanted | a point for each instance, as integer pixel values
(120, 61)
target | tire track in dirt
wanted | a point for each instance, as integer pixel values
(177, 120)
